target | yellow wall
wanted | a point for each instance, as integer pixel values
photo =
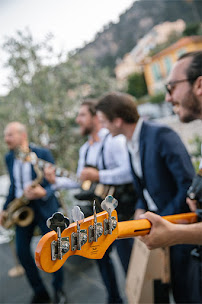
(173, 54)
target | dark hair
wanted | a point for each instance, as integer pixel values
(118, 104)
(91, 104)
(194, 69)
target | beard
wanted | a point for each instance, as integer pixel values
(87, 130)
(192, 106)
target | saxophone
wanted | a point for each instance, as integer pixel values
(17, 212)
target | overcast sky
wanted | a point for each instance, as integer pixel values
(72, 22)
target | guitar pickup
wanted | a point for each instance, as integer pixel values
(78, 239)
(109, 223)
(94, 234)
(59, 248)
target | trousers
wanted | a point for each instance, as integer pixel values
(184, 275)
(107, 269)
(23, 247)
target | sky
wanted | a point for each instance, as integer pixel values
(72, 22)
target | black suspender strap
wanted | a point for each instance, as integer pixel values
(100, 154)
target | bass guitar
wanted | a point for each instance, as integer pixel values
(90, 237)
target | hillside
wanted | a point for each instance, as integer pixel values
(115, 40)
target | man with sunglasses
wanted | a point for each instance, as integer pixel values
(184, 92)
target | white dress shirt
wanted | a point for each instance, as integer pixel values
(116, 160)
(22, 176)
(133, 147)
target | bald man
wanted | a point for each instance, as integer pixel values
(42, 201)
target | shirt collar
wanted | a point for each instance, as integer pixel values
(100, 135)
(136, 134)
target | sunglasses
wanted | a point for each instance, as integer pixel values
(171, 85)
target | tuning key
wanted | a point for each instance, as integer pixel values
(58, 222)
(77, 214)
(79, 238)
(95, 230)
(109, 204)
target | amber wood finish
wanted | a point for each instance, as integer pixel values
(142, 227)
(96, 250)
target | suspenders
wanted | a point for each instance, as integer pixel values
(100, 154)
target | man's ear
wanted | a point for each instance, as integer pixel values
(198, 86)
(118, 122)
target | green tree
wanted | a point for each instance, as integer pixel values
(46, 97)
(137, 85)
(192, 29)
(157, 98)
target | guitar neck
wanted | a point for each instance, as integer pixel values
(58, 171)
(134, 228)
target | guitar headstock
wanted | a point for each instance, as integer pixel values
(89, 237)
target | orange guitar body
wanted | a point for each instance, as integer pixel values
(96, 250)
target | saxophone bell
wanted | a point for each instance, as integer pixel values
(21, 217)
(17, 211)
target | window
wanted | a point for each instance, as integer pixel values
(156, 71)
(180, 52)
(168, 64)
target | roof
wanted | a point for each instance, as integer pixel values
(180, 43)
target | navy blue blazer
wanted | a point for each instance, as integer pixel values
(45, 206)
(167, 169)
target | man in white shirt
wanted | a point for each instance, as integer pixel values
(104, 159)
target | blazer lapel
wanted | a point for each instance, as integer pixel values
(32, 167)
(142, 145)
(10, 163)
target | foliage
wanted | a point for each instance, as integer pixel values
(46, 97)
(172, 38)
(25, 56)
(137, 85)
(158, 98)
(192, 29)
(196, 143)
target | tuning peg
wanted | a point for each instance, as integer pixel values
(58, 220)
(95, 231)
(109, 203)
(77, 214)
(78, 238)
